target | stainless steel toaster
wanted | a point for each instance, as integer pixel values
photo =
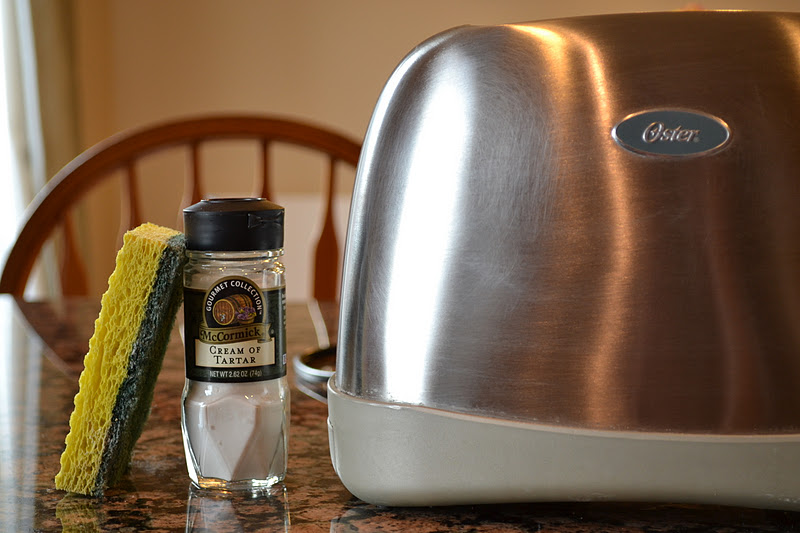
(572, 268)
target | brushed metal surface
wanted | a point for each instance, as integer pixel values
(506, 257)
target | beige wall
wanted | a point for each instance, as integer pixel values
(321, 60)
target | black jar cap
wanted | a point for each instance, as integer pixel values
(233, 224)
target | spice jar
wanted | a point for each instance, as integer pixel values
(235, 406)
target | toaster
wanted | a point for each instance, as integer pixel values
(572, 267)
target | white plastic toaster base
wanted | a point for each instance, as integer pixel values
(398, 455)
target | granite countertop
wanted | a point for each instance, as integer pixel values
(42, 358)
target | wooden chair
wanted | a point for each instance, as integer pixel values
(124, 151)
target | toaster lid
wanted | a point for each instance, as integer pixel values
(610, 238)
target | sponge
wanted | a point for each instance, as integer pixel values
(125, 355)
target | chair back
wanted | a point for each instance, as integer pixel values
(124, 152)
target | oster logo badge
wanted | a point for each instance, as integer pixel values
(671, 133)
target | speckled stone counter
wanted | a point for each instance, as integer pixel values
(42, 351)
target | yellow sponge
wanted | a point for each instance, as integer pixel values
(125, 355)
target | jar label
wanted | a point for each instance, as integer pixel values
(234, 332)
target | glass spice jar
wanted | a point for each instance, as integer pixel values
(235, 405)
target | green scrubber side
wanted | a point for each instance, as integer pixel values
(136, 392)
